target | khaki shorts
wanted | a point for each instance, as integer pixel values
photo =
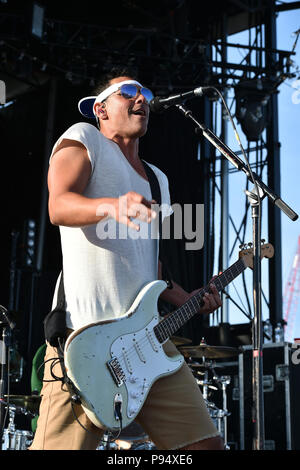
(173, 416)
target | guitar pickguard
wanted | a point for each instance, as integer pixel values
(142, 360)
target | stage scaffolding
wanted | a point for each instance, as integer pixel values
(173, 63)
(173, 60)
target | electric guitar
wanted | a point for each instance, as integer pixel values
(113, 364)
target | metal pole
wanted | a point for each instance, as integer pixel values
(257, 343)
(224, 185)
(207, 186)
(273, 149)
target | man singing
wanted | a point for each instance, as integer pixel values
(96, 176)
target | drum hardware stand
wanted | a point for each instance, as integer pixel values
(205, 385)
(264, 190)
(208, 365)
(12, 439)
(11, 429)
(7, 326)
(107, 443)
(224, 381)
(220, 415)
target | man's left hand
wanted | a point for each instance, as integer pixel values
(212, 300)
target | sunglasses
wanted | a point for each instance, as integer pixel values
(130, 91)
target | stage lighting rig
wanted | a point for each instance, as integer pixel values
(37, 27)
(252, 97)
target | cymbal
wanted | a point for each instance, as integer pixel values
(201, 367)
(210, 352)
(30, 402)
(178, 340)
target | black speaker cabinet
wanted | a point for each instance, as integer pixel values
(281, 385)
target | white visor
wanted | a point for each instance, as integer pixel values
(86, 105)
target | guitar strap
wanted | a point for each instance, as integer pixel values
(156, 195)
(55, 327)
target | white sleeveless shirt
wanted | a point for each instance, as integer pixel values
(105, 265)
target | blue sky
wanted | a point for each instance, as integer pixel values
(289, 136)
(289, 117)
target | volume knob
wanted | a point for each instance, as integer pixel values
(132, 410)
(133, 379)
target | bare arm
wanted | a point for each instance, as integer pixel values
(68, 176)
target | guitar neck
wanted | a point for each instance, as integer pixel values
(179, 317)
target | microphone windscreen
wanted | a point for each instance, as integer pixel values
(156, 106)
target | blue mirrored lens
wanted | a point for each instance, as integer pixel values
(130, 91)
(147, 94)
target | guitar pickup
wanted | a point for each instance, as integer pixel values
(116, 371)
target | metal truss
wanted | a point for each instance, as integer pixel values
(82, 52)
(272, 67)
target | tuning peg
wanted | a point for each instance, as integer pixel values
(263, 240)
(250, 244)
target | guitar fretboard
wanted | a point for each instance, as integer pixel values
(177, 319)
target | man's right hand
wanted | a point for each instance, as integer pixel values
(130, 206)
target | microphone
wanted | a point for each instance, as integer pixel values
(159, 104)
(5, 318)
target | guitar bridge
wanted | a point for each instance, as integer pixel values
(116, 371)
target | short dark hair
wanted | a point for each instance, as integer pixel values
(115, 72)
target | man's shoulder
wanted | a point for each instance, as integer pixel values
(84, 127)
(158, 172)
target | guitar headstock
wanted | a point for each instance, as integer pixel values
(267, 251)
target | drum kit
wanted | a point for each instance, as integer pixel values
(26, 405)
(200, 358)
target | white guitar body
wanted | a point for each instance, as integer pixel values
(104, 384)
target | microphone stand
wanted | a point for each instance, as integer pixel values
(254, 198)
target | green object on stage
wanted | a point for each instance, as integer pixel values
(37, 374)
